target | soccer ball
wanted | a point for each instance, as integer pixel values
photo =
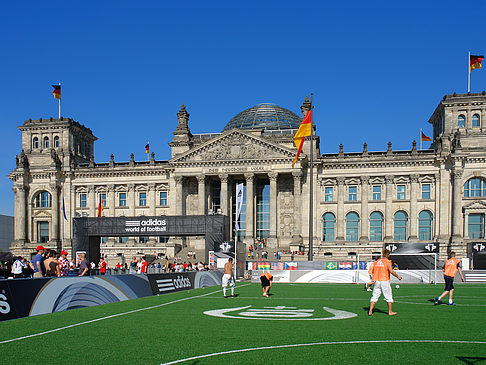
(397, 286)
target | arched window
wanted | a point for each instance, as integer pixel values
(425, 225)
(56, 141)
(328, 224)
(476, 121)
(400, 226)
(35, 143)
(461, 121)
(45, 143)
(352, 225)
(474, 188)
(43, 200)
(376, 226)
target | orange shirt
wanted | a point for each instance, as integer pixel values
(267, 275)
(370, 270)
(450, 267)
(380, 270)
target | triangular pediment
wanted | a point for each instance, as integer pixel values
(478, 205)
(234, 145)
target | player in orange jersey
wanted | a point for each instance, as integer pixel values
(451, 267)
(266, 279)
(382, 269)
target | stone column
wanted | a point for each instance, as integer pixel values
(131, 199)
(20, 218)
(457, 205)
(413, 207)
(153, 199)
(224, 194)
(111, 200)
(92, 201)
(55, 213)
(201, 190)
(364, 209)
(297, 175)
(435, 222)
(466, 225)
(389, 209)
(273, 176)
(249, 238)
(340, 209)
(179, 180)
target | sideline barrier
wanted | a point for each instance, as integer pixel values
(30, 297)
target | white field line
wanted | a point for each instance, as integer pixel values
(319, 344)
(108, 317)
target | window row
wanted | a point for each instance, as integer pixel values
(475, 122)
(122, 199)
(400, 225)
(45, 142)
(352, 192)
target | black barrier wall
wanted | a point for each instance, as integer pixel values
(30, 297)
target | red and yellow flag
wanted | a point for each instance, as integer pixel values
(475, 62)
(147, 148)
(100, 206)
(303, 131)
(57, 91)
(424, 138)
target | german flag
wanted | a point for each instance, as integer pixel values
(303, 131)
(424, 138)
(147, 148)
(57, 91)
(100, 207)
(475, 62)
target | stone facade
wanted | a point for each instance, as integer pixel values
(356, 195)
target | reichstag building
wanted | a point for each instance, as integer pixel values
(362, 200)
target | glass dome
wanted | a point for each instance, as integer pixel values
(265, 116)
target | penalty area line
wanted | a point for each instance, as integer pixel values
(108, 317)
(319, 344)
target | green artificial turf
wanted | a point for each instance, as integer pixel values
(177, 329)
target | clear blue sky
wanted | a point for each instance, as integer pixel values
(377, 69)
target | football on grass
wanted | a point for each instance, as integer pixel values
(397, 286)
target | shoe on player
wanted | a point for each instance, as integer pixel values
(436, 301)
(451, 303)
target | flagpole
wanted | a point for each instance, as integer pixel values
(62, 218)
(60, 104)
(420, 138)
(469, 72)
(311, 188)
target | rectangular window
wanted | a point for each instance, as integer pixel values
(328, 193)
(400, 192)
(376, 192)
(142, 199)
(143, 239)
(163, 239)
(82, 200)
(216, 196)
(122, 239)
(353, 192)
(122, 199)
(103, 197)
(476, 226)
(163, 198)
(262, 211)
(43, 232)
(425, 191)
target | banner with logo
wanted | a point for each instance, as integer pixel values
(331, 265)
(413, 247)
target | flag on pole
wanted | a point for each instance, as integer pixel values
(304, 130)
(475, 62)
(147, 148)
(239, 203)
(424, 138)
(57, 91)
(63, 208)
(100, 206)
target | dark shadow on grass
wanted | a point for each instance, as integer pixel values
(471, 360)
(432, 301)
(235, 295)
(375, 310)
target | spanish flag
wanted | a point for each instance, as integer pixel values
(424, 138)
(475, 62)
(304, 130)
(100, 206)
(147, 149)
(57, 91)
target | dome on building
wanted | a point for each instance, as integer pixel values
(265, 116)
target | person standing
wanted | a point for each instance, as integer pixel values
(18, 268)
(451, 267)
(37, 263)
(382, 268)
(51, 264)
(266, 279)
(102, 266)
(83, 266)
(228, 278)
(144, 266)
(63, 264)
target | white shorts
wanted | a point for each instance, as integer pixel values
(227, 278)
(382, 287)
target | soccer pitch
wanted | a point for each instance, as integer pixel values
(297, 324)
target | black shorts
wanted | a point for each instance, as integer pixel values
(449, 283)
(265, 281)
